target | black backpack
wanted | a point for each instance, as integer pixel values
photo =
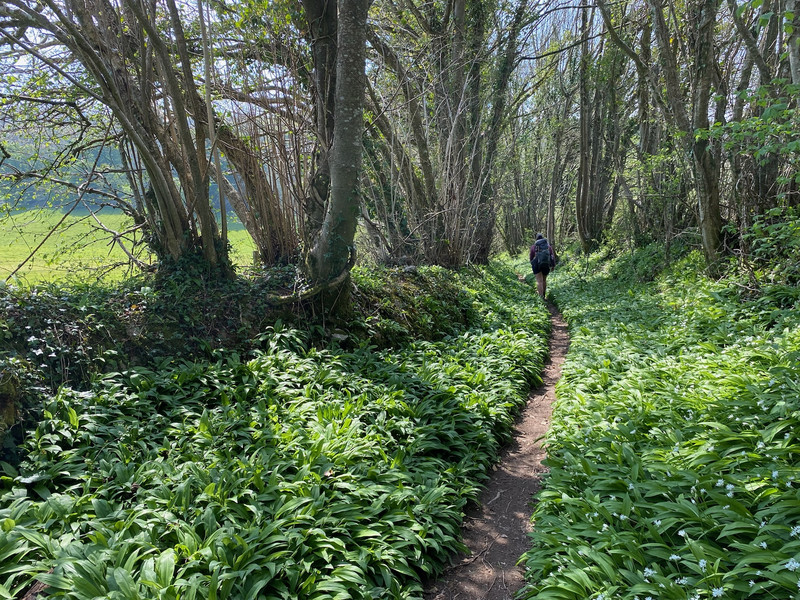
(542, 257)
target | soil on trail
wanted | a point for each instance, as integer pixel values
(496, 532)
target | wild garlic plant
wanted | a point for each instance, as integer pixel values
(294, 472)
(674, 453)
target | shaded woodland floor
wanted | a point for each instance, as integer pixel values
(496, 532)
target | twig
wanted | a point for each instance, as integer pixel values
(489, 589)
(66, 214)
(496, 497)
(471, 559)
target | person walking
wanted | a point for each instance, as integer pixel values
(542, 258)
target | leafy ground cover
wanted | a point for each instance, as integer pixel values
(675, 442)
(58, 334)
(284, 470)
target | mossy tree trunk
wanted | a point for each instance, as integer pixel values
(333, 250)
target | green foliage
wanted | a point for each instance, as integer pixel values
(770, 134)
(291, 471)
(774, 240)
(674, 446)
(61, 333)
(418, 302)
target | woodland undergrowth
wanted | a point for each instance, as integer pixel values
(293, 464)
(675, 442)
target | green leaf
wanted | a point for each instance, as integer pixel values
(165, 567)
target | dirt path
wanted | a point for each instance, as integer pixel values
(496, 532)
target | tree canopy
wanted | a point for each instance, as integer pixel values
(434, 132)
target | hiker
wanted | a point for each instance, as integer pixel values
(543, 258)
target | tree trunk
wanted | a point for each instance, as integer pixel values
(583, 191)
(322, 20)
(483, 177)
(415, 113)
(705, 160)
(334, 251)
(793, 41)
(705, 163)
(555, 184)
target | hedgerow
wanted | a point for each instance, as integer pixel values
(674, 448)
(290, 471)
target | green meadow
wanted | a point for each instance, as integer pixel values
(78, 249)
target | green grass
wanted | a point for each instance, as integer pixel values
(79, 250)
(675, 442)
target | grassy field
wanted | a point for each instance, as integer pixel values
(78, 249)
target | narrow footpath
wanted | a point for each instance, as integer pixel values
(496, 532)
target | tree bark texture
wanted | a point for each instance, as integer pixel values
(704, 155)
(706, 160)
(584, 165)
(322, 22)
(793, 41)
(334, 250)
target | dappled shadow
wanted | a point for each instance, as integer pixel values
(496, 532)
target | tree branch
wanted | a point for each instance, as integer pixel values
(751, 44)
(560, 50)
